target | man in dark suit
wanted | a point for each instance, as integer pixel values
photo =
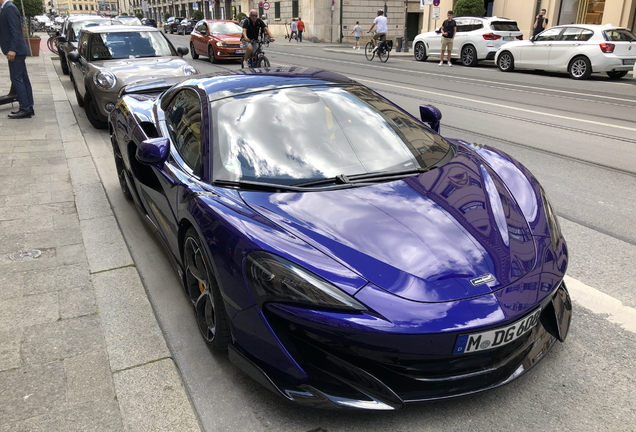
(14, 47)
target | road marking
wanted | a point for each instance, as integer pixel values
(495, 104)
(601, 303)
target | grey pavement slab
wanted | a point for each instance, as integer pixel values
(105, 247)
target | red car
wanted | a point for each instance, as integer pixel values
(217, 39)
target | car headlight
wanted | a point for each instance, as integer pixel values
(553, 222)
(189, 70)
(275, 279)
(105, 80)
(221, 44)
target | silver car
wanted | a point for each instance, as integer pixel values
(109, 57)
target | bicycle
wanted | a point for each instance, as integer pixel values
(258, 58)
(384, 48)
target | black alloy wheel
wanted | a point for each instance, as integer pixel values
(93, 114)
(204, 293)
(193, 53)
(506, 62)
(420, 52)
(616, 74)
(211, 54)
(383, 55)
(368, 51)
(120, 167)
(580, 68)
(469, 56)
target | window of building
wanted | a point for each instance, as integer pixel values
(294, 8)
(277, 10)
(74, 7)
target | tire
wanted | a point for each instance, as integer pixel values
(211, 55)
(469, 56)
(383, 55)
(580, 68)
(420, 52)
(263, 62)
(92, 113)
(64, 64)
(506, 62)
(368, 51)
(80, 101)
(121, 168)
(616, 74)
(193, 53)
(202, 289)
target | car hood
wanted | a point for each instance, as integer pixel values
(234, 38)
(445, 235)
(134, 69)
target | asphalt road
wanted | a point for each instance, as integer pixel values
(577, 137)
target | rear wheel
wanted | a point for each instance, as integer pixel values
(616, 74)
(469, 56)
(420, 52)
(506, 62)
(580, 68)
(193, 53)
(211, 54)
(383, 55)
(263, 62)
(368, 51)
(93, 114)
(204, 293)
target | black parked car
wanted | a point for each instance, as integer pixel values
(149, 22)
(185, 26)
(170, 26)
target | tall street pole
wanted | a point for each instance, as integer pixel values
(405, 41)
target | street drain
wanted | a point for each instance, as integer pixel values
(24, 255)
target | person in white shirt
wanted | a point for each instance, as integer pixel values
(264, 19)
(357, 32)
(382, 28)
(294, 30)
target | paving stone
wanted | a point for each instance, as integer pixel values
(11, 285)
(130, 327)
(105, 246)
(66, 221)
(52, 186)
(88, 378)
(15, 189)
(62, 196)
(102, 416)
(19, 312)
(77, 302)
(61, 339)
(11, 242)
(31, 391)
(46, 260)
(82, 171)
(56, 279)
(71, 254)
(28, 199)
(152, 398)
(10, 349)
(76, 149)
(21, 226)
(91, 201)
(53, 238)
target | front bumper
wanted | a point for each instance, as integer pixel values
(346, 377)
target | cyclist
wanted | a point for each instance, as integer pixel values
(382, 30)
(252, 28)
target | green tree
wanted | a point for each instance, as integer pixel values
(123, 14)
(197, 15)
(469, 8)
(139, 15)
(31, 9)
(166, 16)
(240, 16)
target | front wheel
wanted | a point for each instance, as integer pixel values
(616, 74)
(469, 56)
(383, 55)
(420, 52)
(193, 53)
(263, 62)
(204, 293)
(368, 51)
(580, 68)
(506, 62)
(93, 114)
(211, 54)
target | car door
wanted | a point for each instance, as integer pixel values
(159, 193)
(464, 26)
(80, 68)
(537, 54)
(564, 48)
(199, 37)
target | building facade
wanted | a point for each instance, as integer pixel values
(92, 7)
(333, 20)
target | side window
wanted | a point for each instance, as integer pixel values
(82, 46)
(463, 26)
(548, 35)
(183, 119)
(571, 34)
(586, 35)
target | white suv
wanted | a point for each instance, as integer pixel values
(476, 39)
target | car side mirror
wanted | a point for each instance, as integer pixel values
(431, 115)
(153, 151)
(73, 56)
(204, 32)
(438, 31)
(531, 39)
(183, 51)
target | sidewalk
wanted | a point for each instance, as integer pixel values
(80, 347)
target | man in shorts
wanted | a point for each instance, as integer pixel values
(252, 27)
(382, 28)
(448, 34)
(357, 33)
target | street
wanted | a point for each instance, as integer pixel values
(577, 137)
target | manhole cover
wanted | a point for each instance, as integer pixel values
(25, 255)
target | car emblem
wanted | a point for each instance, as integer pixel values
(482, 279)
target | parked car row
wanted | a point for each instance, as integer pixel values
(578, 49)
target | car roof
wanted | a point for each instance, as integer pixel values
(489, 19)
(213, 21)
(599, 27)
(120, 29)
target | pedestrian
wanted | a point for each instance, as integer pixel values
(293, 26)
(13, 46)
(264, 19)
(301, 28)
(382, 28)
(448, 34)
(540, 23)
(357, 32)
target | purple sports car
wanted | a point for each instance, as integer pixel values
(342, 251)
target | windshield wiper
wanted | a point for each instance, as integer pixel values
(368, 178)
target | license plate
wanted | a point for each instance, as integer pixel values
(629, 62)
(239, 51)
(496, 338)
(509, 38)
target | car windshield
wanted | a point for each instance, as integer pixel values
(129, 20)
(301, 134)
(80, 25)
(504, 26)
(619, 35)
(225, 28)
(123, 45)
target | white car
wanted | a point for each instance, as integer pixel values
(579, 49)
(475, 39)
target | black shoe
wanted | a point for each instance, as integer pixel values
(21, 114)
(31, 111)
